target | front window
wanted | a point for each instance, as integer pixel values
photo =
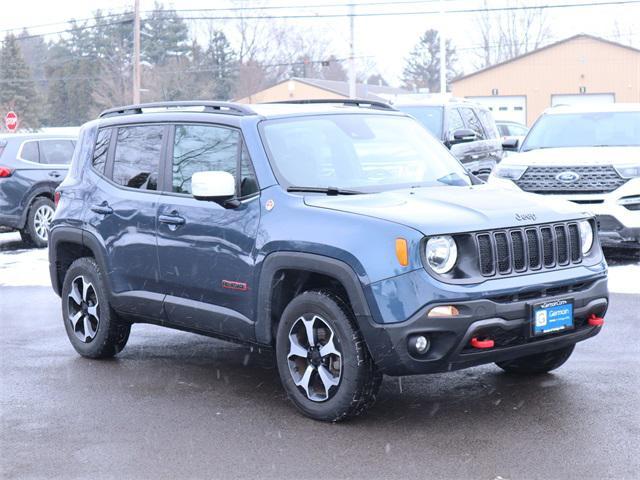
(366, 153)
(604, 129)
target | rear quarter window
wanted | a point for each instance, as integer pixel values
(101, 150)
(30, 152)
(56, 151)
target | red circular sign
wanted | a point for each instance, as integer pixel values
(11, 121)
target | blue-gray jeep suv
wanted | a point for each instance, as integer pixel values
(343, 235)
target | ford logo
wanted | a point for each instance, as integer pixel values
(567, 177)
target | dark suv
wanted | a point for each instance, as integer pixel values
(342, 235)
(466, 128)
(31, 167)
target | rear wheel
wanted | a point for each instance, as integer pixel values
(323, 362)
(36, 231)
(538, 363)
(92, 326)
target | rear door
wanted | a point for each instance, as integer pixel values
(205, 249)
(121, 213)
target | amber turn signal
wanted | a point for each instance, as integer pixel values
(443, 311)
(402, 251)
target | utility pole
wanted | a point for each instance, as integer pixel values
(136, 51)
(443, 50)
(352, 60)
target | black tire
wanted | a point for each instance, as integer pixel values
(538, 363)
(110, 334)
(32, 233)
(359, 379)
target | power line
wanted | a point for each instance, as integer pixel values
(342, 15)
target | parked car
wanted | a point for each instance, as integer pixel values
(342, 235)
(590, 155)
(466, 128)
(512, 129)
(31, 167)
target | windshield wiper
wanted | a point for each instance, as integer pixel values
(327, 190)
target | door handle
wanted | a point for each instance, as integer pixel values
(174, 220)
(55, 174)
(103, 208)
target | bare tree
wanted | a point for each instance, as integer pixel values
(509, 33)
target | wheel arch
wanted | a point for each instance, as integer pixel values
(285, 274)
(67, 244)
(40, 191)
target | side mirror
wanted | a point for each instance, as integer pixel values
(510, 144)
(463, 135)
(213, 186)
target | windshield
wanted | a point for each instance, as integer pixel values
(366, 153)
(430, 117)
(585, 130)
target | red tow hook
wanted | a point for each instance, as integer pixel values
(486, 343)
(595, 321)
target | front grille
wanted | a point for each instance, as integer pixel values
(519, 250)
(588, 179)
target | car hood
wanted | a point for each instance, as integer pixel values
(575, 156)
(441, 210)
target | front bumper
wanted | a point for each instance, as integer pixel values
(504, 319)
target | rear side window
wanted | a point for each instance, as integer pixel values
(101, 149)
(137, 157)
(472, 122)
(56, 152)
(30, 152)
(199, 148)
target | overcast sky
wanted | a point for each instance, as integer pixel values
(385, 40)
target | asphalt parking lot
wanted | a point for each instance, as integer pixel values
(177, 405)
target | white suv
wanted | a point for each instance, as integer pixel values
(589, 155)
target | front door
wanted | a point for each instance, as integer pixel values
(205, 249)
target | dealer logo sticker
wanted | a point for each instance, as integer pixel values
(269, 204)
(541, 318)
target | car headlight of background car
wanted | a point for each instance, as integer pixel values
(628, 171)
(586, 235)
(510, 172)
(441, 253)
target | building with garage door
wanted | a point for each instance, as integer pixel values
(579, 69)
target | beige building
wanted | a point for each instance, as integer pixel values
(578, 69)
(311, 88)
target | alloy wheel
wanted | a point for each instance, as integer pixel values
(84, 312)
(315, 361)
(41, 221)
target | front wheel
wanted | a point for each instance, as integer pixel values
(323, 362)
(537, 363)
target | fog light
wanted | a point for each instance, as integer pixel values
(419, 344)
(444, 311)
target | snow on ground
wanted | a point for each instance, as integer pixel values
(20, 266)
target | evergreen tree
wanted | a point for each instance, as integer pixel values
(220, 63)
(422, 69)
(17, 89)
(164, 35)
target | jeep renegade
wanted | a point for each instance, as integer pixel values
(341, 234)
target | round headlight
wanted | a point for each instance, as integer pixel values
(586, 235)
(441, 253)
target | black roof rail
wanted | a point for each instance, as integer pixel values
(208, 106)
(357, 102)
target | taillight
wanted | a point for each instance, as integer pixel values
(56, 198)
(5, 172)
